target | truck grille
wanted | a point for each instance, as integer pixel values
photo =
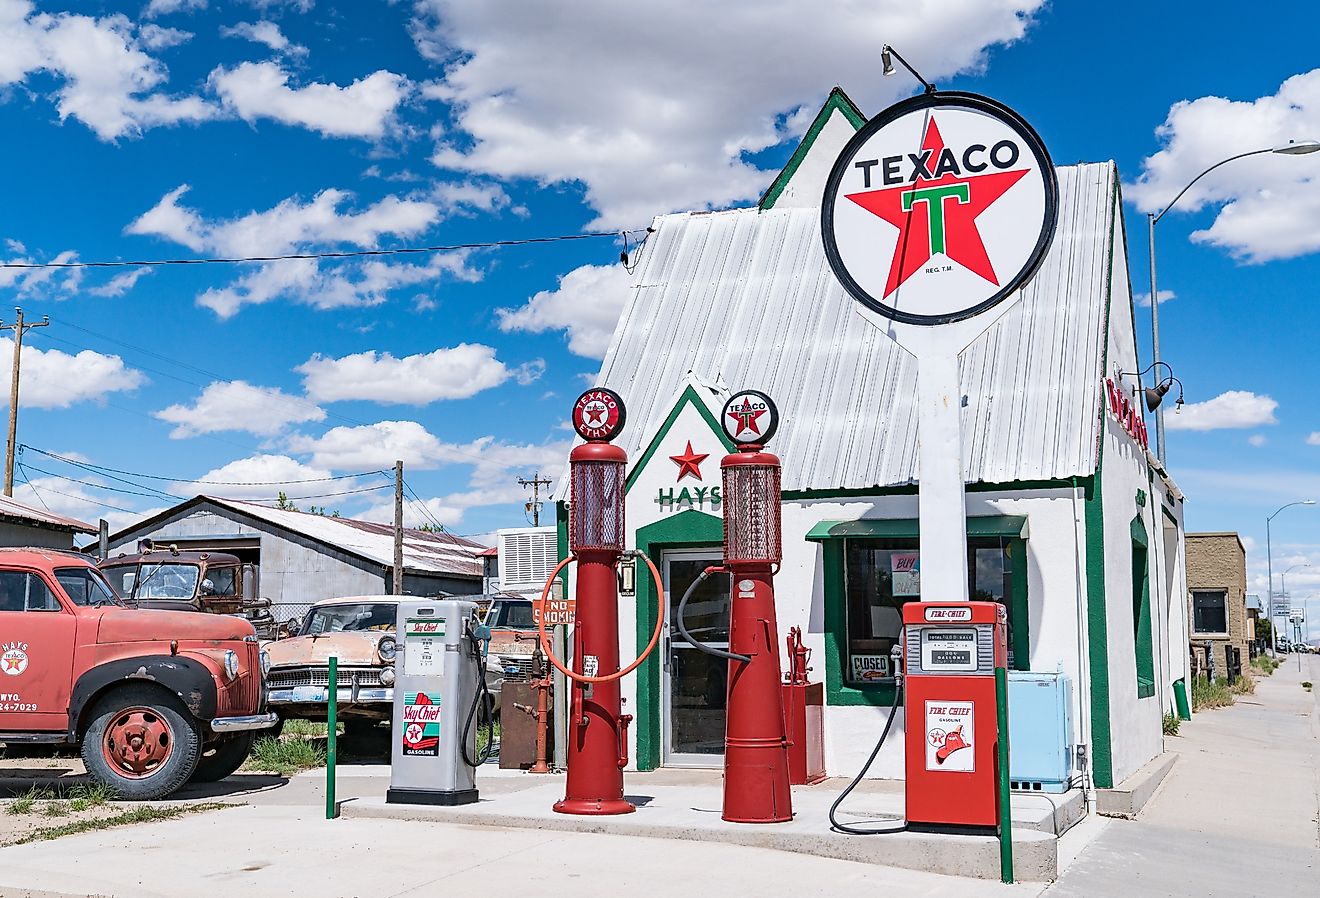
(288, 677)
(517, 668)
(251, 693)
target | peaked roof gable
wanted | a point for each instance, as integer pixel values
(688, 397)
(836, 102)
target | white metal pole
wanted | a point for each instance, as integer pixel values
(942, 499)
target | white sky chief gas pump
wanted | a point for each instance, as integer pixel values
(756, 774)
(951, 652)
(440, 700)
(597, 730)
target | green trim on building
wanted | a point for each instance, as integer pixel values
(837, 100)
(1012, 526)
(685, 530)
(688, 395)
(1143, 642)
(910, 489)
(837, 691)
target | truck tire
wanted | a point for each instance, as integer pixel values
(222, 758)
(141, 742)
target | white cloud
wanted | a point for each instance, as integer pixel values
(586, 304)
(1257, 439)
(53, 379)
(238, 405)
(469, 197)
(121, 283)
(455, 373)
(168, 7)
(1314, 438)
(104, 77)
(260, 90)
(258, 477)
(158, 37)
(1268, 203)
(293, 225)
(1233, 409)
(1143, 299)
(264, 32)
(652, 107)
(376, 445)
(84, 503)
(44, 282)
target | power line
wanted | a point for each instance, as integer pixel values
(159, 494)
(340, 254)
(102, 469)
(87, 499)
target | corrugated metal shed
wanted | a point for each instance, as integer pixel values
(17, 512)
(747, 299)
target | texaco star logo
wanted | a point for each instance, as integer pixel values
(14, 660)
(689, 463)
(750, 418)
(598, 414)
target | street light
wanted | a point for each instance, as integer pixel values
(1292, 148)
(1269, 567)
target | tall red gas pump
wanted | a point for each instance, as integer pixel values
(756, 763)
(951, 650)
(597, 730)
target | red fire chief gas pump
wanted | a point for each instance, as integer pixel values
(951, 651)
(597, 731)
(756, 775)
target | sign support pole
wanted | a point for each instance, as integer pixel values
(942, 502)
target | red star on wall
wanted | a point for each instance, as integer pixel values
(957, 214)
(689, 462)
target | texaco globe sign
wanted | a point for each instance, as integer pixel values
(939, 208)
(750, 418)
(598, 414)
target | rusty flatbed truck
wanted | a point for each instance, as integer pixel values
(154, 698)
(164, 579)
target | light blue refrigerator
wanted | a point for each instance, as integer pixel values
(1040, 731)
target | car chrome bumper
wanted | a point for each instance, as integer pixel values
(319, 695)
(242, 724)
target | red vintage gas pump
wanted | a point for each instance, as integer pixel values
(756, 763)
(597, 731)
(951, 651)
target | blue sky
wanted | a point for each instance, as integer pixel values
(178, 128)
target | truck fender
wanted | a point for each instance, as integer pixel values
(187, 678)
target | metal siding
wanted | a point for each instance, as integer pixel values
(747, 299)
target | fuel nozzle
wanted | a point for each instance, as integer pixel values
(896, 661)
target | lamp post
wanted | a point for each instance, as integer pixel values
(1269, 567)
(1294, 148)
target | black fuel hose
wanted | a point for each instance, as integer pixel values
(482, 698)
(856, 830)
(682, 627)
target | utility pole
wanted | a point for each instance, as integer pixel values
(534, 506)
(19, 329)
(398, 528)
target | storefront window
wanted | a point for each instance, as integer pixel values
(881, 575)
(1209, 611)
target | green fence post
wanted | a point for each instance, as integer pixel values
(1005, 799)
(332, 737)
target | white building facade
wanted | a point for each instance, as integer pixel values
(1072, 525)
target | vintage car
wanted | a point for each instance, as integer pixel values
(155, 698)
(359, 631)
(165, 579)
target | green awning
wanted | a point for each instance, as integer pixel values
(993, 525)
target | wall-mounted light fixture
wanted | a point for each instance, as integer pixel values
(1155, 394)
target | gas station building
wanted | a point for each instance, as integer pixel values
(1072, 523)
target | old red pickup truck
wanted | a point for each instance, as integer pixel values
(154, 698)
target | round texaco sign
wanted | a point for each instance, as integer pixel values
(598, 414)
(939, 208)
(750, 418)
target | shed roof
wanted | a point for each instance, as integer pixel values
(16, 512)
(423, 551)
(747, 299)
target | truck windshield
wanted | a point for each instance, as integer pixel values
(223, 581)
(354, 617)
(84, 586)
(167, 581)
(511, 616)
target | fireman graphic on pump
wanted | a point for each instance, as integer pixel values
(948, 732)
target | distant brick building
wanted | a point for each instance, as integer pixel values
(1217, 596)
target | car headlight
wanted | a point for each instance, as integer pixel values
(387, 648)
(265, 665)
(231, 663)
(387, 677)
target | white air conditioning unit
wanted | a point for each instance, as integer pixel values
(527, 556)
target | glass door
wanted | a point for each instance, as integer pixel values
(694, 683)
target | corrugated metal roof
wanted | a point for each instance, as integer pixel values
(747, 299)
(440, 553)
(38, 517)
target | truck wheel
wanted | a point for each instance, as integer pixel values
(141, 743)
(222, 758)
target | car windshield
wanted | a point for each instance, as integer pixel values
(511, 616)
(84, 586)
(167, 581)
(358, 616)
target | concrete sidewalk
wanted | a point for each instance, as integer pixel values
(1238, 816)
